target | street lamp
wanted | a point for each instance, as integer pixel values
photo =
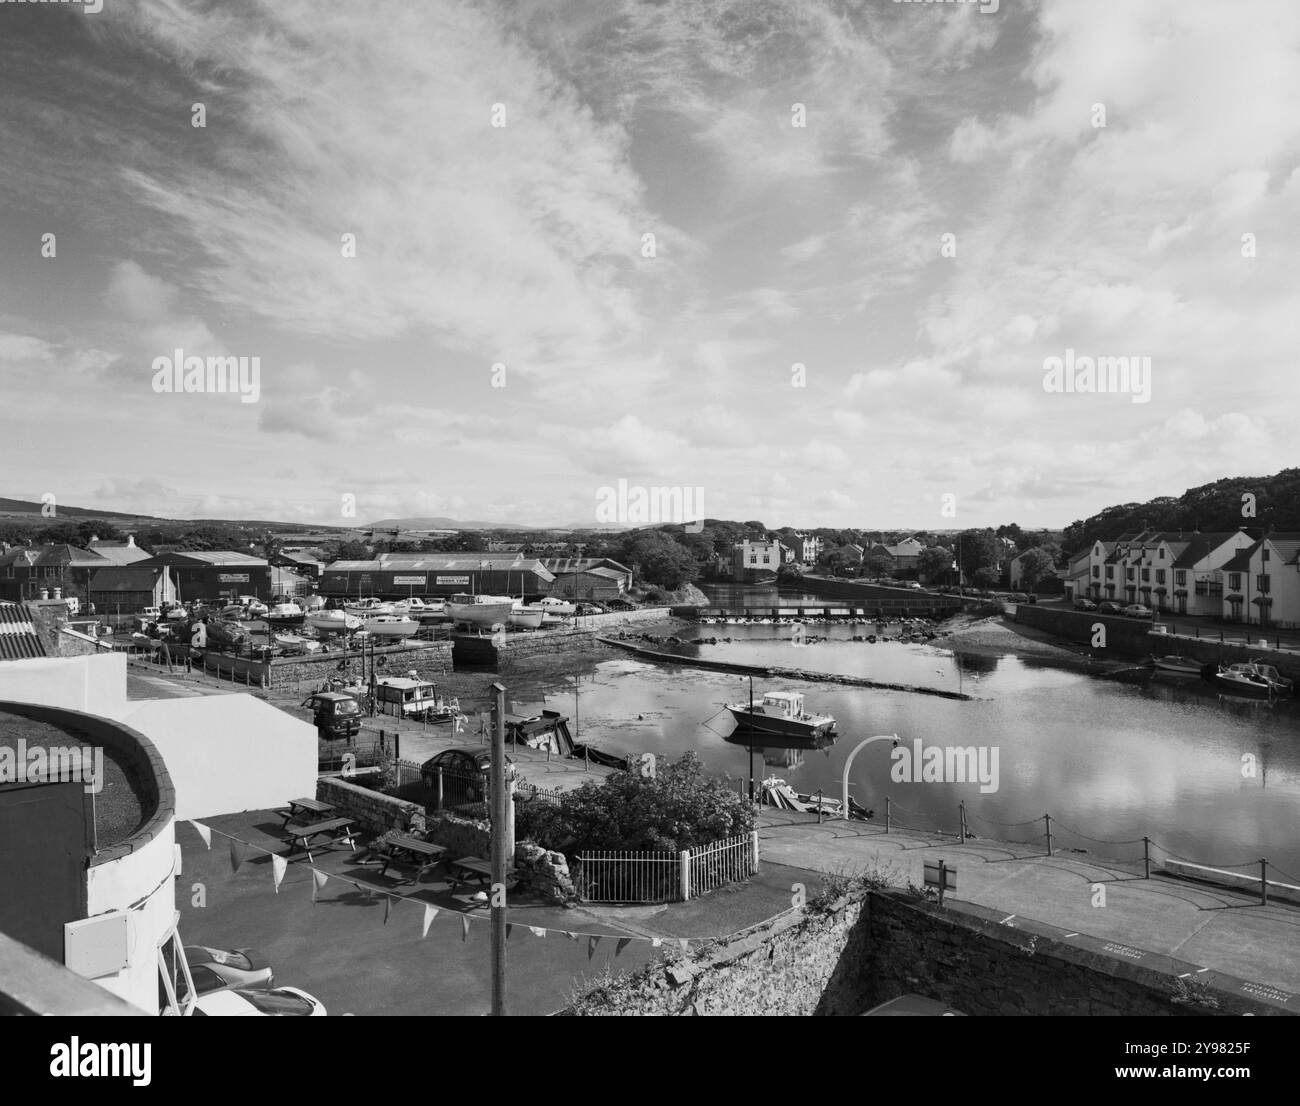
(844, 783)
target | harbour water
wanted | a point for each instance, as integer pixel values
(1208, 778)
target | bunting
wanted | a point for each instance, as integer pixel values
(203, 832)
(592, 942)
(509, 928)
(623, 943)
(430, 912)
(388, 907)
(537, 931)
(236, 854)
(464, 927)
(318, 879)
(278, 867)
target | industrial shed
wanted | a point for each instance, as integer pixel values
(401, 575)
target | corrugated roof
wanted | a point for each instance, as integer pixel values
(215, 557)
(119, 552)
(561, 565)
(18, 637)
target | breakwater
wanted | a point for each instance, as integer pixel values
(779, 672)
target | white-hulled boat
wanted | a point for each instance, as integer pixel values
(781, 713)
(1178, 666)
(391, 626)
(552, 605)
(481, 611)
(333, 622)
(526, 618)
(295, 643)
(1243, 679)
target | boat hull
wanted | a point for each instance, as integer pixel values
(482, 615)
(526, 620)
(401, 629)
(1178, 667)
(779, 726)
(333, 622)
(1243, 687)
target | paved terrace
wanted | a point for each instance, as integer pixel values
(1195, 926)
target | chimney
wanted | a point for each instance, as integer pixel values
(130, 541)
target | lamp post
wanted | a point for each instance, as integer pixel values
(844, 782)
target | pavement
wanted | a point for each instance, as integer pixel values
(1201, 928)
(347, 952)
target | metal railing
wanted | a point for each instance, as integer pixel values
(633, 876)
(727, 861)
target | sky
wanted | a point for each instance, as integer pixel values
(874, 225)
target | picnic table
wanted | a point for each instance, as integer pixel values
(304, 808)
(470, 869)
(333, 830)
(422, 855)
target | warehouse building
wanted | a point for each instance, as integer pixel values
(130, 589)
(589, 577)
(401, 575)
(215, 575)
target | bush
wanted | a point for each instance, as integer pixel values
(680, 808)
(543, 823)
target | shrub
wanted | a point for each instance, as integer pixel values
(678, 809)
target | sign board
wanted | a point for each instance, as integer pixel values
(98, 946)
(232, 577)
(932, 875)
(464, 580)
(404, 580)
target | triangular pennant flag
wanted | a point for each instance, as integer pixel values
(388, 906)
(236, 855)
(430, 912)
(655, 942)
(537, 931)
(317, 882)
(623, 943)
(368, 891)
(204, 832)
(592, 942)
(278, 867)
(571, 936)
(464, 926)
(509, 927)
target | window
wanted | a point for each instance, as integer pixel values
(1265, 552)
(1234, 581)
(1160, 555)
(1160, 576)
(1261, 582)
(1129, 572)
(175, 984)
(1146, 575)
(1180, 577)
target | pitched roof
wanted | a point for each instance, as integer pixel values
(18, 636)
(119, 552)
(1241, 562)
(1202, 545)
(1287, 545)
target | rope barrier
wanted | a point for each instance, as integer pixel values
(1096, 840)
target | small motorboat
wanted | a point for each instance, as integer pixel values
(781, 713)
(1281, 685)
(1177, 666)
(484, 612)
(391, 626)
(225, 633)
(296, 643)
(368, 608)
(1242, 679)
(553, 605)
(286, 614)
(332, 622)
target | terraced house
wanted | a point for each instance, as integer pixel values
(1174, 571)
(1261, 584)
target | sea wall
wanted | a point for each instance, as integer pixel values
(865, 950)
(373, 810)
(1132, 637)
(493, 651)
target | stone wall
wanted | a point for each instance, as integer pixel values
(865, 950)
(1132, 637)
(460, 836)
(373, 810)
(484, 651)
(430, 659)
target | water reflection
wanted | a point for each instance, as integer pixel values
(778, 751)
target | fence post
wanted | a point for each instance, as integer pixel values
(440, 787)
(684, 864)
(397, 746)
(819, 806)
(753, 840)
(1146, 856)
(961, 817)
(886, 813)
(1048, 819)
(1263, 882)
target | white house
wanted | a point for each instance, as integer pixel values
(1261, 583)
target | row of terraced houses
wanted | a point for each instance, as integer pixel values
(1230, 575)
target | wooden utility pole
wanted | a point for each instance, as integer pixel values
(498, 902)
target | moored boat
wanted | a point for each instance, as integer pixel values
(553, 605)
(391, 626)
(526, 618)
(1177, 666)
(296, 643)
(333, 622)
(782, 713)
(367, 608)
(286, 614)
(1242, 679)
(221, 632)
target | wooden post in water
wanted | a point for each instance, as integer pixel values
(1048, 819)
(1146, 856)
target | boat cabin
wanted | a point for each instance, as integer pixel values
(404, 696)
(787, 704)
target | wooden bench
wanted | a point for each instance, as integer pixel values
(421, 855)
(302, 808)
(333, 829)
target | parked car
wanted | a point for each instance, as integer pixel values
(1109, 607)
(334, 714)
(223, 969)
(277, 1003)
(465, 770)
(1084, 605)
(1137, 610)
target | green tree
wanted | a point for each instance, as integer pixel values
(1035, 564)
(977, 549)
(933, 562)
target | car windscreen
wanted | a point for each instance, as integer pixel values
(347, 706)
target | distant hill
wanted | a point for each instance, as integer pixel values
(441, 524)
(1216, 506)
(16, 509)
